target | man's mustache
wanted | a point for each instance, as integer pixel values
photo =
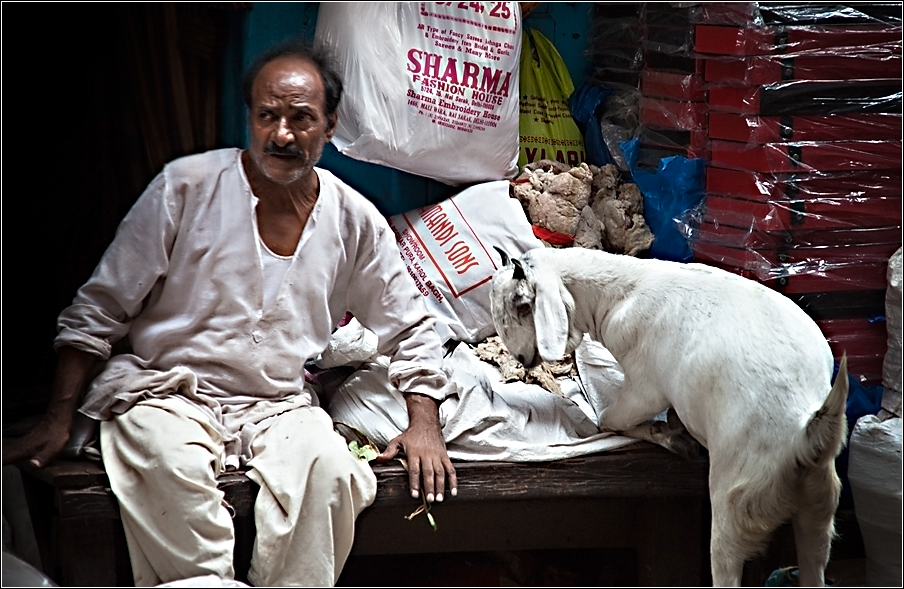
(291, 150)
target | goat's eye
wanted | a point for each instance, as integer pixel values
(522, 310)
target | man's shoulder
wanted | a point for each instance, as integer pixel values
(204, 163)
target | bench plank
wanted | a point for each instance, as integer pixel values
(646, 471)
(616, 499)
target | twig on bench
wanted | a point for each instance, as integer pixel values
(424, 508)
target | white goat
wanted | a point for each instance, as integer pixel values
(746, 370)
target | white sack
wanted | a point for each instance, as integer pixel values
(482, 418)
(448, 250)
(350, 345)
(874, 471)
(891, 367)
(431, 88)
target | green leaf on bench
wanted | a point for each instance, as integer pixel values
(363, 451)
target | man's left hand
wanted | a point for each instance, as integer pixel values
(425, 450)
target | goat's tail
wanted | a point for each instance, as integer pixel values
(826, 430)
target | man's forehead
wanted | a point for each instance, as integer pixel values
(288, 77)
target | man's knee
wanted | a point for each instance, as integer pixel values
(151, 437)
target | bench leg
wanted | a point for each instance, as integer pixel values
(93, 553)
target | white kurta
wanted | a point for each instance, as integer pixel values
(183, 279)
(215, 374)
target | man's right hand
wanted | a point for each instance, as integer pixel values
(43, 443)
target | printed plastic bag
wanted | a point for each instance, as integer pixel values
(448, 250)
(431, 88)
(548, 130)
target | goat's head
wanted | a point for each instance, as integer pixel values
(532, 311)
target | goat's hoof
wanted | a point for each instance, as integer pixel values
(685, 446)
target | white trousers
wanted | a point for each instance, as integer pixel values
(163, 457)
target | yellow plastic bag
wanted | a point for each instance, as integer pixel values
(547, 129)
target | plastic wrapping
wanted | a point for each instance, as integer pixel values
(774, 40)
(796, 108)
(841, 305)
(607, 115)
(807, 156)
(771, 60)
(863, 339)
(674, 40)
(799, 233)
(615, 45)
(770, 69)
(752, 185)
(672, 114)
(810, 97)
(673, 85)
(798, 246)
(795, 13)
(754, 129)
(690, 143)
(801, 118)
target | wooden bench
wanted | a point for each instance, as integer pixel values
(640, 498)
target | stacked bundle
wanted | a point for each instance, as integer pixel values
(615, 44)
(803, 192)
(672, 105)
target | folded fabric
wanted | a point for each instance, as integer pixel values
(483, 418)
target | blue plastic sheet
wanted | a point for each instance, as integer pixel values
(585, 104)
(668, 193)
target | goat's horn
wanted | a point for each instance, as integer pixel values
(503, 255)
(518, 274)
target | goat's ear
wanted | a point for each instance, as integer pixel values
(550, 320)
(518, 274)
(504, 256)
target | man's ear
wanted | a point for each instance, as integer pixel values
(331, 123)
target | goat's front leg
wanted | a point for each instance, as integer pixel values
(631, 413)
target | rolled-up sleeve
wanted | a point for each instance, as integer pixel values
(104, 306)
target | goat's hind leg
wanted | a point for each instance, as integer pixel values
(737, 534)
(814, 523)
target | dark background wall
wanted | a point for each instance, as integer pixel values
(97, 97)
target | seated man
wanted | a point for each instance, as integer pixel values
(230, 271)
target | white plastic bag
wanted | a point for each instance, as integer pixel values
(891, 366)
(874, 470)
(448, 249)
(431, 88)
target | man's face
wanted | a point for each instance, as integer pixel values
(287, 125)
